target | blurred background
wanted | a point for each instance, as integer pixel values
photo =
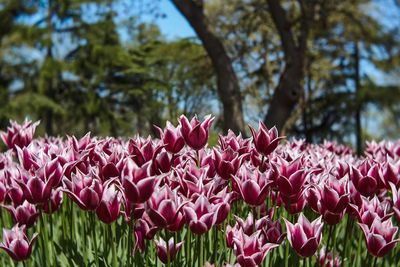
(318, 69)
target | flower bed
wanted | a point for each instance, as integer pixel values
(175, 201)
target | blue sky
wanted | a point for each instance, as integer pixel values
(173, 25)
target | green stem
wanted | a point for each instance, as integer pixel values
(131, 241)
(168, 248)
(93, 228)
(201, 260)
(327, 244)
(45, 239)
(198, 159)
(357, 262)
(334, 242)
(287, 254)
(345, 236)
(188, 252)
(375, 261)
(114, 245)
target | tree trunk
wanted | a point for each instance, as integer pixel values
(290, 88)
(285, 98)
(358, 130)
(227, 82)
(49, 54)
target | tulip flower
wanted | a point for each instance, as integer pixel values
(292, 177)
(171, 138)
(36, 190)
(249, 250)
(327, 260)
(137, 183)
(84, 190)
(143, 151)
(379, 237)
(16, 243)
(227, 163)
(334, 199)
(200, 215)
(194, 132)
(54, 204)
(163, 251)
(15, 193)
(371, 209)
(143, 229)
(236, 143)
(265, 140)
(27, 159)
(367, 178)
(396, 201)
(109, 205)
(3, 191)
(390, 174)
(253, 186)
(25, 214)
(162, 163)
(269, 231)
(304, 237)
(164, 209)
(19, 135)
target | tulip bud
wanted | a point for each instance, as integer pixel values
(19, 135)
(304, 237)
(194, 132)
(163, 251)
(16, 243)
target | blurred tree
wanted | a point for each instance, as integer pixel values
(65, 61)
(321, 35)
(227, 81)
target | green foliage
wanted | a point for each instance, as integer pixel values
(64, 62)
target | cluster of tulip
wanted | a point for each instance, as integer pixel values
(174, 201)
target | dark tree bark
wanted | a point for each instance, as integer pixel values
(358, 130)
(290, 88)
(227, 81)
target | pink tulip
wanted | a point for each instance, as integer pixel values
(194, 132)
(304, 237)
(19, 135)
(379, 237)
(249, 250)
(109, 205)
(367, 178)
(236, 143)
(227, 162)
(371, 209)
(16, 243)
(292, 178)
(143, 229)
(3, 191)
(171, 138)
(143, 151)
(391, 174)
(334, 199)
(54, 204)
(84, 190)
(253, 186)
(200, 215)
(164, 209)
(163, 251)
(25, 214)
(137, 183)
(327, 260)
(265, 140)
(396, 201)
